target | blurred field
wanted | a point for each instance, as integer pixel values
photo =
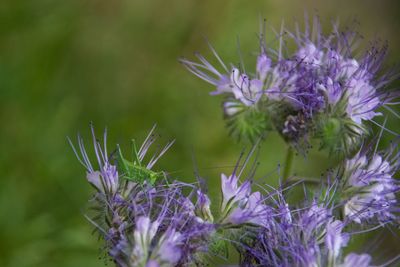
(66, 63)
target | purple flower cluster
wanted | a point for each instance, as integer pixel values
(143, 223)
(321, 89)
(370, 187)
(160, 228)
(155, 223)
(310, 236)
(268, 231)
(285, 237)
(314, 232)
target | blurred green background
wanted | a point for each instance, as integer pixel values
(66, 63)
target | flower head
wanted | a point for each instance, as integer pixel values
(112, 171)
(165, 232)
(309, 235)
(370, 187)
(144, 223)
(322, 83)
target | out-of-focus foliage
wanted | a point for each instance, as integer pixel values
(66, 63)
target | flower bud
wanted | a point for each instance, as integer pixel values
(339, 135)
(203, 207)
(245, 123)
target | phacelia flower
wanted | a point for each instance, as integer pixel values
(114, 171)
(322, 83)
(250, 209)
(168, 250)
(106, 179)
(232, 193)
(143, 235)
(246, 116)
(143, 222)
(335, 239)
(239, 205)
(162, 229)
(203, 206)
(308, 236)
(370, 188)
(339, 74)
(232, 82)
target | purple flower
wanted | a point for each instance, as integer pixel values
(268, 79)
(209, 73)
(310, 54)
(307, 236)
(241, 206)
(335, 239)
(115, 170)
(370, 188)
(232, 193)
(166, 231)
(203, 206)
(264, 64)
(362, 101)
(344, 79)
(144, 224)
(106, 179)
(322, 83)
(169, 248)
(250, 210)
(143, 235)
(165, 250)
(247, 90)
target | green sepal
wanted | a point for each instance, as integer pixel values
(339, 135)
(249, 124)
(218, 245)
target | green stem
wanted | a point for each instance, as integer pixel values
(288, 164)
